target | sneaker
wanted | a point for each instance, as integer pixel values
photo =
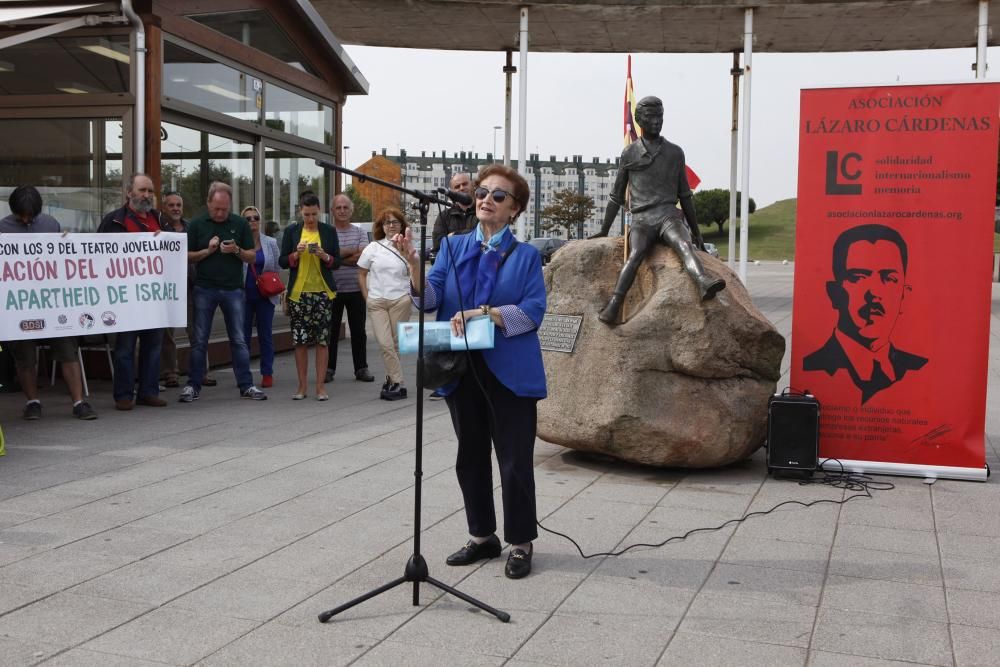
(362, 375)
(385, 387)
(436, 395)
(33, 410)
(253, 393)
(188, 394)
(82, 410)
(267, 381)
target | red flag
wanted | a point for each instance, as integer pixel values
(631, 132)
(693, 179)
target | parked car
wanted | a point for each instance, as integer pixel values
(547, 246)
(711, 249)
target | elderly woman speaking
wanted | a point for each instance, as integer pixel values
(487, 273)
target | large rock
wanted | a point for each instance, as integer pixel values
(679, 383)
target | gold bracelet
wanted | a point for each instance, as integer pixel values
(485, 309)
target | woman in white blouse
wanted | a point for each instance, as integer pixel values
(384, 276)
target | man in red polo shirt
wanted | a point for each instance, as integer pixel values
(137, 215)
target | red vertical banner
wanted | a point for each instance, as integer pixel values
(893, 270)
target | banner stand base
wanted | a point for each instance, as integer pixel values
(905, 469)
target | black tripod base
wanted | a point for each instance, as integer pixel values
(416, 572)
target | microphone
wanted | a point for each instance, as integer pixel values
(457, 197)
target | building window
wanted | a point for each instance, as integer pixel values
(191, 159)
(257, 29)
(69, 65)
(286, 177)
(76, 164)
(297, 115)
(199, 80)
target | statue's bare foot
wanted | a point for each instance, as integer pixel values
(710, 287)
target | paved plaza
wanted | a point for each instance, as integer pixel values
(214, 533)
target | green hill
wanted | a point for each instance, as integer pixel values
(772, 233)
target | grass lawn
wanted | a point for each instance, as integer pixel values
(772, 233)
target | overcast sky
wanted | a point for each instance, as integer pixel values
(451, 100)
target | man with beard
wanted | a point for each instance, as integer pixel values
(137, 215)
(868, 287)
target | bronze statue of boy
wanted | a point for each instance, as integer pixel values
(654, 169)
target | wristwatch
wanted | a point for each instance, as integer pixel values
(486, 310)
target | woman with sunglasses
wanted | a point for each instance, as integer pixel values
(487, 273)
(384, 277)
(260, 308)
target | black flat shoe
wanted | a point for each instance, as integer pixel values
(473, 552)
(519, 563)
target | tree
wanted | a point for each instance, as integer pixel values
(712, 207)
(568, 209)
(362, 207)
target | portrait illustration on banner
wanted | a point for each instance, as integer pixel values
(868, 292)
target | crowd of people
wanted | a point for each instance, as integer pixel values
(481, 271)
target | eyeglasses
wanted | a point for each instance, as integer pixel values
(497, 195)
(253, 218)
(390, 223)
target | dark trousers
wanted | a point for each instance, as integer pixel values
(513, 438)
(354, 304)
(148, 370)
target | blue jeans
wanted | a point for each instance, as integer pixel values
(261, 310)
(150, 341)
(231, 302)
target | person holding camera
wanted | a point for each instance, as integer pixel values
(311, 252)
(219, 244)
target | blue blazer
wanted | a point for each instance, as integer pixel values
(515, 361)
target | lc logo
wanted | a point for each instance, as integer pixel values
(845, 168)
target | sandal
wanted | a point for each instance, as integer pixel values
(322, 397)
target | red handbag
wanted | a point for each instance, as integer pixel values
(268, 283)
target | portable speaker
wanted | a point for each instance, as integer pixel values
(792, 433)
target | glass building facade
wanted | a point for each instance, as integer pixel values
(230, 96)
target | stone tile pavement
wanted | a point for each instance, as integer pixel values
(214, 533)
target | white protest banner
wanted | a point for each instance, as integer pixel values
(53, 285)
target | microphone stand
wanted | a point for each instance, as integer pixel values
(416, 567)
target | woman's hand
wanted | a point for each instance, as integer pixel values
(458, 324)
(404, 245)
(301, 248)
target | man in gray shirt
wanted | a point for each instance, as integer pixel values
(352, 241)
(654, 170)
(27, 218)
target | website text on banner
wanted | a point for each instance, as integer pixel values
(893, 260)
(53, 285)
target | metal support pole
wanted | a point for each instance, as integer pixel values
(734, 145)
(508, 71)
(139, 65)
(745, 169)
(522, 116)
(982, 37)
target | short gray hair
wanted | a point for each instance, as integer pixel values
(349, 201)
(218, 186)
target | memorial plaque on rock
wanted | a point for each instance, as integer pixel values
(558, 333)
